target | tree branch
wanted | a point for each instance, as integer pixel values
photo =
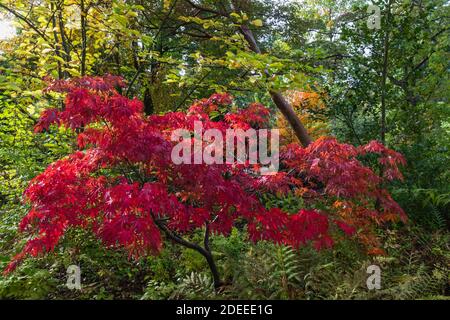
(26, 20)
(205, 252)
(282, 104)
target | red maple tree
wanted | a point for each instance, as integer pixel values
(122, 185)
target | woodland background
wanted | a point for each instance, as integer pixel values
(343, 79)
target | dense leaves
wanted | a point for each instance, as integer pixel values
(123, 186)
(104, 178)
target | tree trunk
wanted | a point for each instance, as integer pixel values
(282, 104)
(83, 25)
(384, 76)
(148, 102)
(290, 115)
(205, 252)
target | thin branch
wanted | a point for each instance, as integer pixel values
(26, 20)
(204, 9)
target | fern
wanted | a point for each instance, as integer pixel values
(194, 286)
(437, 218)
(285, 272)
(269, 272)
(420, 284)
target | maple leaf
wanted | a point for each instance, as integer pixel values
(123, 187)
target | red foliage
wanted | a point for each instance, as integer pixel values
(255, 116)
(333, 174)
(123, 185)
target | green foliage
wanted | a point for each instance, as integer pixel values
(31, 282)
(171, 57)
(427, 207)
(194, 286)
(157, 290)
(289, 203)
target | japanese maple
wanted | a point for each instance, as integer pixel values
(122, 185)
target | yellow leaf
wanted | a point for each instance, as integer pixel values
(257, 23)
(167, 4)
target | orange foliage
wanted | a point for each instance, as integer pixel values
(309, 107)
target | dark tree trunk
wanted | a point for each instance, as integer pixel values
(205, 252)
(384, 76)
(83, 26)
(148, 102)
